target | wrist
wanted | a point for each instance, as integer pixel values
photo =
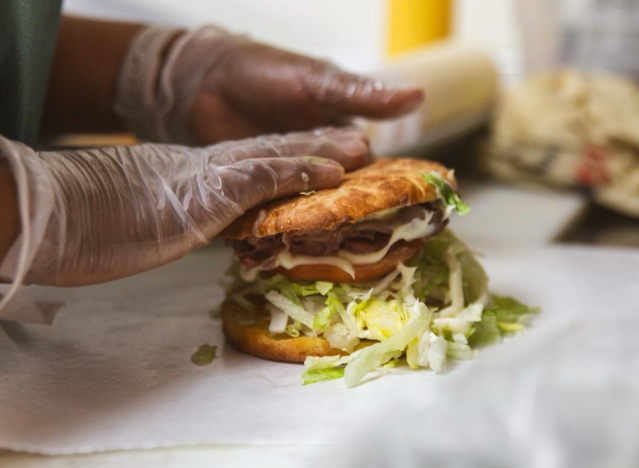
(138, 85)
(162, 72)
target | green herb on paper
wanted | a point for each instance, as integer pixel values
(204, 355)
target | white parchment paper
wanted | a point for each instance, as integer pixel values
(114, 372)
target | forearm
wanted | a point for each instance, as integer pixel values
(9, 218)
(84, 75)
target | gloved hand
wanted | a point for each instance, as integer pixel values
(90, 216)
(208, 85)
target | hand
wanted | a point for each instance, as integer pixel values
(98, 215)
(217, 86)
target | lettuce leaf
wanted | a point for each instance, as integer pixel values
(204, 355)
(369, 357)
(304, 289)
(319, 369)
(486, 332)
(322, 319)
(508, 310)
(310, 289)
(501, 318)
(285, 287)
(322, 375)
(450, 197)
(293, 310)
(383, 318)
(323, 287)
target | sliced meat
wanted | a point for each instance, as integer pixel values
(363, 242)
(360, 238)
(322, 243)
(253, 252)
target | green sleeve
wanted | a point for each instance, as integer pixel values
(28, 30)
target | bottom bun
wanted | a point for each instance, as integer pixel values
(248, 332)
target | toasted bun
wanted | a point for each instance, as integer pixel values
(248, 332)
(382, 185)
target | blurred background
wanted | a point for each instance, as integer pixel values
(533, 102)
(536, 106)
(353, 33)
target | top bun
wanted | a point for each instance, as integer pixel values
(382, 185)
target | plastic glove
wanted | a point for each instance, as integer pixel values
(90, 216)
(216, 86)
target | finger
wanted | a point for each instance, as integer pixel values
(347, 146)
(222, 122)
(252, 182)
(337, 92)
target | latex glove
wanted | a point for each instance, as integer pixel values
(216, 86)
(96, 215)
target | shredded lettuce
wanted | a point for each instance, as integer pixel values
(438, 278)
(293, 330)
(383, 319)
(459, 351)
(372, 356)
(502, 317)
(279, 319)
(322, 319)
(323, 368)
(284, 286)
(323, 362)
(508, 310)
(434, 308)
(323, 287)
(322, 375)
(304, 289)
(486, 332)
(436, 352)
(445, 190)
(293, 310)
(340, 337)
(309, 289)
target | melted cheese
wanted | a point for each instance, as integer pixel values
(290, 261)
(416, 229)
(344, 260)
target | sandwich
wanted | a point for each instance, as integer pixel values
(362, 276)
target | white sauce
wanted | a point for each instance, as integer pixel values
(290, 261)
(416, 229)
(344, 260)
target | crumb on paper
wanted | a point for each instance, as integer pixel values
(306, 194)
(204, 355)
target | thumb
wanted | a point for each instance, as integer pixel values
(251, 182)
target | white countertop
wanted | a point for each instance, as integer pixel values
(498, 213)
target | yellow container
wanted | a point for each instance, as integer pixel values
(413, 23)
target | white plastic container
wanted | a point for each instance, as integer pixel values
(461, 85)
